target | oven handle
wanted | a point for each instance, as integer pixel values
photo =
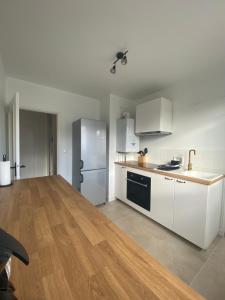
(145, 185)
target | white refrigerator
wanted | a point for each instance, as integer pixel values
(89, 159)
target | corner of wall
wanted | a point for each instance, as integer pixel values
(117, 105)
(2, 108)
(222, 223)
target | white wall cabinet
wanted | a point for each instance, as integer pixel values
(162, 196)
(120, 182)
(154, 117)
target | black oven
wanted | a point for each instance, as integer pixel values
(139, 190)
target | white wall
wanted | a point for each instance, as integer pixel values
(198, 121)
(105, 112)
(2, 109)
(117, 105)
(68, 107)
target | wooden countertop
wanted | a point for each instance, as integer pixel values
(145, 167)
(75, 251)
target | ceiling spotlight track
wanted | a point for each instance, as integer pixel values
(120, 56)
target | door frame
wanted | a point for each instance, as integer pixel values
(57, 129)
(14, 134)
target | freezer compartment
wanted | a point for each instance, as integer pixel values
(93, 186)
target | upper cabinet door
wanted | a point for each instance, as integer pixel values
(93, 144)
(148, 116)
(154, 117)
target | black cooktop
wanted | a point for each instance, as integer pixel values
(168, 167)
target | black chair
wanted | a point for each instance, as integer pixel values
(9, 246)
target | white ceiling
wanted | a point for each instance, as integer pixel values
(70, 44)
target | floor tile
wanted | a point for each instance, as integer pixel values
(210, 281)
(115, 210)
(184, 259)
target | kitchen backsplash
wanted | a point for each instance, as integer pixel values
(204, 160)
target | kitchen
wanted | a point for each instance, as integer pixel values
(181, 195)
(137, 208)
(195, 126)
(172, 198)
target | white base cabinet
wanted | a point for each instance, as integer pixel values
(191, 210)
(197, 211)
(162, 197)
(120, 182)
(190, 203)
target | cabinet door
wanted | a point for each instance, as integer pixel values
(190, 211)
(162, 197)
(120, 182)
(148, 116)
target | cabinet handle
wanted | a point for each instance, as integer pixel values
(167, 178)
(81, 178)
(181, 181)
(81, 164)
(123, 167)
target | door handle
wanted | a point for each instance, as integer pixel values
(81, 178)
(21, 166)
(180, 181)
(167, 178)
(15, 167)
(81, 164)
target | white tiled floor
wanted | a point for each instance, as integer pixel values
(203, 270)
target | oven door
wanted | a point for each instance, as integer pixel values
(139, 193)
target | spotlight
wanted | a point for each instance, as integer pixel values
(113, 69)
(122, 56)
(119, 55)
(124, 60)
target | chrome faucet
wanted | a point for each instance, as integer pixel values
(189, 159)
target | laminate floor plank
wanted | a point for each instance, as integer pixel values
(75, 251)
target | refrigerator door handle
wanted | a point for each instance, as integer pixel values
(81, 164)
(81, 178)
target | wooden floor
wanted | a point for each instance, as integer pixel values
(75, 251)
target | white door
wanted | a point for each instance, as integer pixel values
(190, 211)
(162, 199)
(14, 136)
